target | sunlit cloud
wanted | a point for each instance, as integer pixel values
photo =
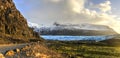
(70, 11)
(106, 6)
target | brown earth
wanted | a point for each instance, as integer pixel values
(28, 50)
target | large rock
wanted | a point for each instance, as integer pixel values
(13, 26)
(10, 53)
(1, 55)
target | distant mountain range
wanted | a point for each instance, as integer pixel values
(74, 29)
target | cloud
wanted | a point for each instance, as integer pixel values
(76, 5)
(68, 11)
(55, 0)
(105, 7)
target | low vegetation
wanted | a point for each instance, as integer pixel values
(76, 49)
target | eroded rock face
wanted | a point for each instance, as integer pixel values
(13, 26)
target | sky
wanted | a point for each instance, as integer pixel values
(46, 12)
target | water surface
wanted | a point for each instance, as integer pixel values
(69, 38)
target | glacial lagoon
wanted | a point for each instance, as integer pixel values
(71, 38)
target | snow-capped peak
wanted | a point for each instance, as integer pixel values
(34, 25)
(83, 26)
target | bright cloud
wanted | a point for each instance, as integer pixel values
(70, 11)
(106, 6)
(55, 0)
(76, 5)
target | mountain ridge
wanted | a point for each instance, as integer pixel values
(75, 29)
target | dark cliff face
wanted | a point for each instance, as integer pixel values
(13, 26)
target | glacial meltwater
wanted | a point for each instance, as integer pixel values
(69, 38)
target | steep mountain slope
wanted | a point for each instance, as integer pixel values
(13, 26)
(76, 29)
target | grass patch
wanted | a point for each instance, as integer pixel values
(76, 49)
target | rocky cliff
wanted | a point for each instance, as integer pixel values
(13, 26)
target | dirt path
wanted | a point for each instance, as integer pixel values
(4, 48)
